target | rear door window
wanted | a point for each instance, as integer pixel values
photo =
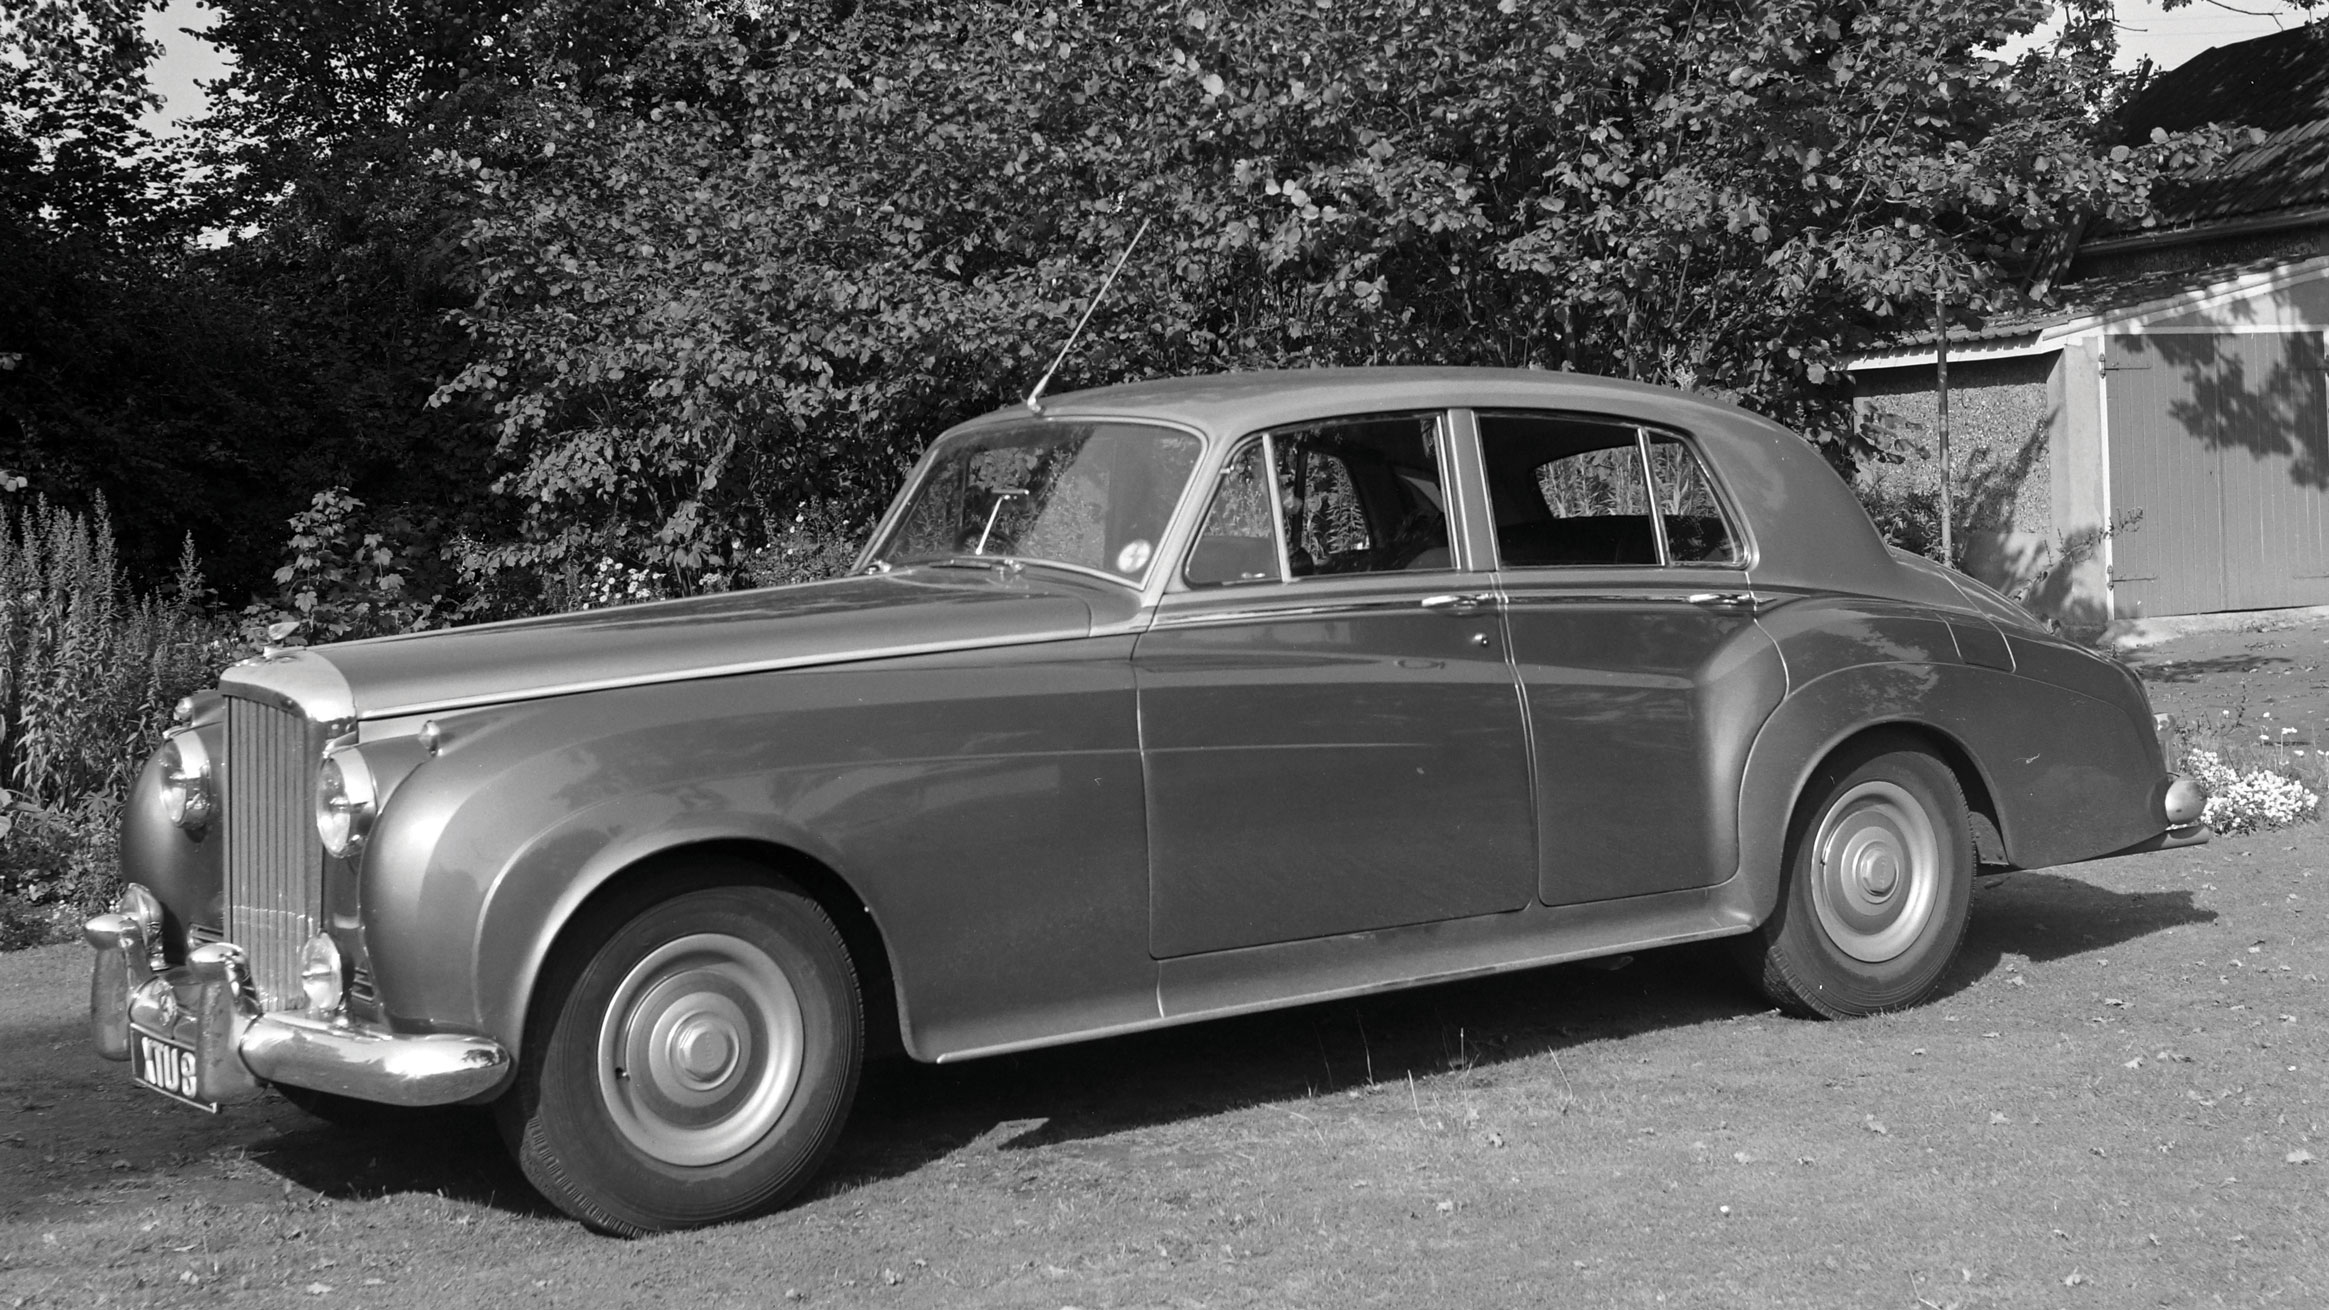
(1584, 492)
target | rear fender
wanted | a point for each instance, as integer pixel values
(2066, 774)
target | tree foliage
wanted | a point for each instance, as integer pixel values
(552, 283)
(763, 262)
(200, 383)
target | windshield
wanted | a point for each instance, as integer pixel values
(1089, 495)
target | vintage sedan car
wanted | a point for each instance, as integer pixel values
(1152, 704)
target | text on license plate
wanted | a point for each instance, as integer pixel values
(166, 1067)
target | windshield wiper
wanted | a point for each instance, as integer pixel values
(1003, 496)
(992, 563)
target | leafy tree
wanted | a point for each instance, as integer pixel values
(315, 155)
(756, 267)
(93, 52)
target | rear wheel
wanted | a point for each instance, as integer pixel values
(1879, 876)
(692, 1060)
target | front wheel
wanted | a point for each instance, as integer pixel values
(1879, 877)
(692, 1062)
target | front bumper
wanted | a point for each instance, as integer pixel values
(206, 1042)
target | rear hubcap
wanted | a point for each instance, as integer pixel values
(1876, 871)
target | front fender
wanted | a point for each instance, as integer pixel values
(547, 883)
(489, 850)
(984, 807)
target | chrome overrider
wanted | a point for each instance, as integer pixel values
(208, 1005)
(2184, 805)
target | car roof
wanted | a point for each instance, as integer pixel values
(1229, 404)
(1808, 527)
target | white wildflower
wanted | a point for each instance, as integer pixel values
(2256, 801)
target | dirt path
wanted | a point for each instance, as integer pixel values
(2122, 1098)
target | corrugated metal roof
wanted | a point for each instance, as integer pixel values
(2278, 84)
(2094, 296)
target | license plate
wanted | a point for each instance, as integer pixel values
(167, 1067)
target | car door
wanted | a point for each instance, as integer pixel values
(1331, 736)
(1630, 618)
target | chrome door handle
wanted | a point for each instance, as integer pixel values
(1458, 605)
(1726, 602)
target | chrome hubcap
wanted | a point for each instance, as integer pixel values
(701, 1050)
(1876, 873)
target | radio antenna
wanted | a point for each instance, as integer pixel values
(1035, 397)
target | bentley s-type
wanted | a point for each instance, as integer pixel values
(1147, 705)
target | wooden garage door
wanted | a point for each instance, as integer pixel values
(2221, 441)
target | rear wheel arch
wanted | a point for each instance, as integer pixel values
(1988, 831)
(1808, 730)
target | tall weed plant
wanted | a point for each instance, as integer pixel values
(89, 673)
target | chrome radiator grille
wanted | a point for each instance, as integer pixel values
(274, 860)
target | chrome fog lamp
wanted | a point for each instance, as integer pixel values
(344, 799)
(144, 909)
(321, 974)
(186, 781)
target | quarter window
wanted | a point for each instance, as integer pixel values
(1573, 491)
(1239, 542)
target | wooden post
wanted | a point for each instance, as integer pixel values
(1941, 419)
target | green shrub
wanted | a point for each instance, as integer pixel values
(343, 581)
(89, 675)
(809, 547)
(57, 867)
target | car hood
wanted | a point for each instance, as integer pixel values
(911, 612)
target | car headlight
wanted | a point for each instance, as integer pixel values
(187, 793)
(345, 797)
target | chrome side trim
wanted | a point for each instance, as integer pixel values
(1280, 613)
(1198, 987)
(1529, 595)
(451, 703)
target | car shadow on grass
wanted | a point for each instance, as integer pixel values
(454, 1152)
(2043, 916)
(911, 1116)
(2196, 670)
